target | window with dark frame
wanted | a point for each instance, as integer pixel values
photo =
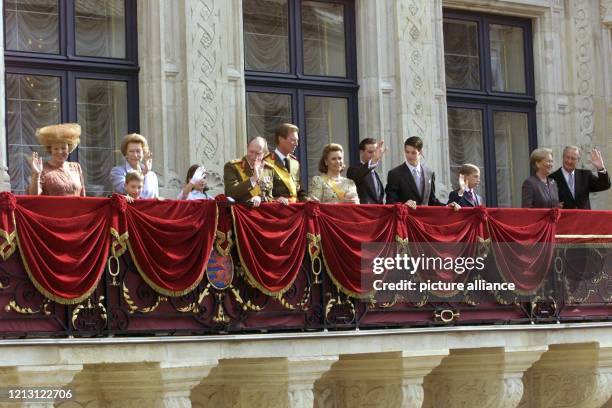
(70, 61)
(491, 100)
(300, 67)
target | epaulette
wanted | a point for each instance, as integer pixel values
(266, 164)
(236, 161)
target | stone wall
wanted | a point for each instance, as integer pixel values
(543, 367)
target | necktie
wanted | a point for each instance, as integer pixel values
(570, 182)
(470, 196)
(287, 163)
(417, 179)
(375, 181)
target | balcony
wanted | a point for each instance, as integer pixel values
(227, 298)
(144, 322)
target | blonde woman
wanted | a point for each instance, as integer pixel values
(135, 149)
(540, 191)
(331, 186)
(57, 177)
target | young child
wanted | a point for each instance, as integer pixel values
(469, 179)
(195, 184)
(134, 181)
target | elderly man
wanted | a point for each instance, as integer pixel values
(575, 185)
(369, 186)
(286, 184)
(249, 180)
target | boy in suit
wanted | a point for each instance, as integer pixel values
(465, 195)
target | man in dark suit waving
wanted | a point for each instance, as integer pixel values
(575, 185)
(369, 186)
(413, 183)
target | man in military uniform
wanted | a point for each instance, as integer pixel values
(249, 180)
(286, 183)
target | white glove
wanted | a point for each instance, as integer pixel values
(199, 175)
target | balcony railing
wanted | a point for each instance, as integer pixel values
(230, 297)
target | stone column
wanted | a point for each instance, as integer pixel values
(262, 382)
(162, 89)
(215, 107)
(420, 83)
(155, 385)
(589, 61)
(5, 179)
(391, 379)
(248, 382)
(46, 376)
(488, 377)
(375, 24)
(571, 375)
(301, 376)
(415, 367)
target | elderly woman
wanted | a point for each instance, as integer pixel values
(540, 191)
(331, 187)
(135, 149)
(57, 177)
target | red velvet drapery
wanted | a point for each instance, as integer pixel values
(271, 243)
(170, 242)
(522, 242)
(65, 242)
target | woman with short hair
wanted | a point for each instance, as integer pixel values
(540, 191)
(135, 149)
(57, 176)
(332, 187)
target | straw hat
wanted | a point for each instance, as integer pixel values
(68, 133)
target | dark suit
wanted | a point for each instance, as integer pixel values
(585, 182)
(361, 174)
(537, 194)
(401, 186)
(463, 201)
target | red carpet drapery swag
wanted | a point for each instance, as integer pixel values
(522, 242)
(343, 229)
(444, 234)
(271, 242)
(170, 242)
(64, 242)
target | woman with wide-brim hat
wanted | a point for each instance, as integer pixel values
(57, 177)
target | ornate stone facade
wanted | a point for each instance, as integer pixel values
(553, 366)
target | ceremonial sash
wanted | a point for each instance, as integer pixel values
(285, 177)
(339, 192)
(255, 191)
